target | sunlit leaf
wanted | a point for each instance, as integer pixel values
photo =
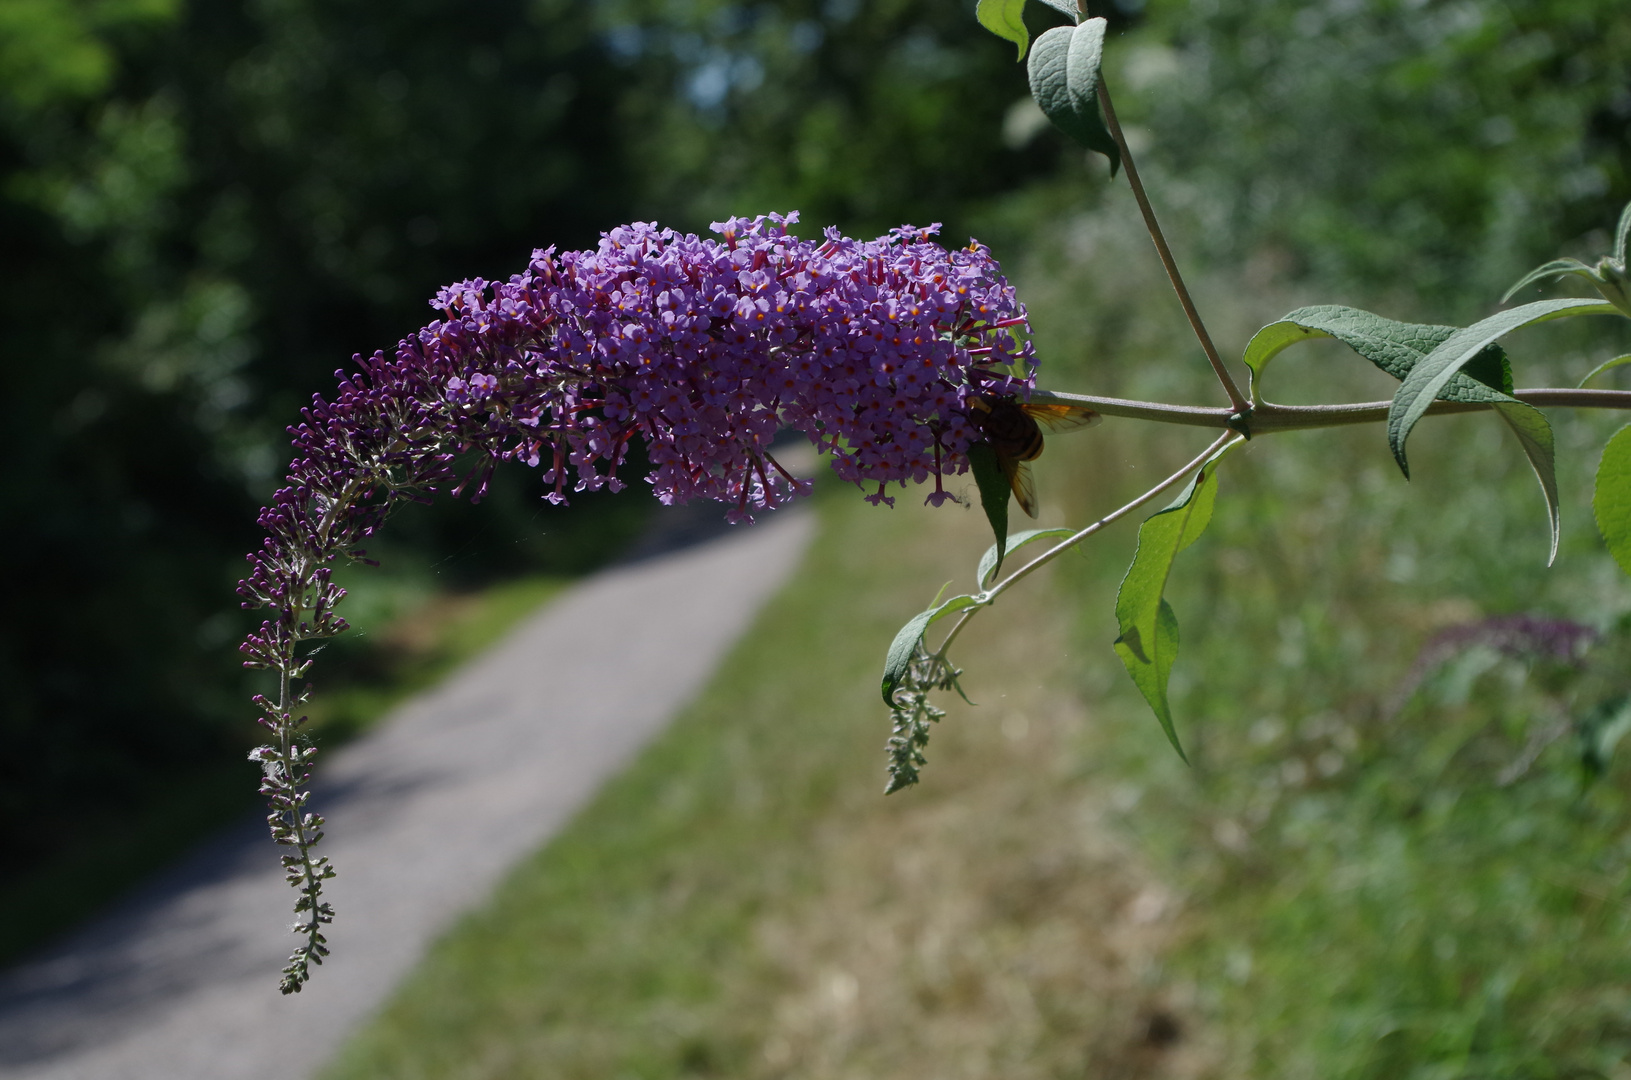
(1534, 435)
(1064, 73)
(1612, 499)
(1148, 641)
(1395, 347)
(1151, 667)
(1006, 19)
(1438, 368)
(994, 490)
(989, 561)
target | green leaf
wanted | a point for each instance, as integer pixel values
(955, 604)
(1555, 268)
(1006, 19)
(1612, 499)
(1605, 366)
(904, 647)
(1434, 372)
(1064, 73)
(994, 491)
(1151, 673)
(1395, 347)
(1622, 235)
(991, 559)
(901, 651)
(1148, 641)
(1535, 437)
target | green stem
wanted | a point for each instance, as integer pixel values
(1236, 398)
(1076, 538)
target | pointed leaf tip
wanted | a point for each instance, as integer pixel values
(1622, 236)
(1006, 19)
(1434, 372)
(994, 489)
(1148, 641)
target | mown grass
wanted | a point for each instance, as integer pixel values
(744, 902)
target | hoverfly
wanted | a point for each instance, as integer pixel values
(1013, 429)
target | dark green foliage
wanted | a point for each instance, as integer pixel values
(1433, 149)
(860, 115)
(209, 207)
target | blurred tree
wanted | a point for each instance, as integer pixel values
(208, 208)
(859, 115)
(1433, 147)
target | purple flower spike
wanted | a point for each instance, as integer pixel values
(703, 349)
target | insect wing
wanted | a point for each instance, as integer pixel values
(1021, 481)
(1060, 417)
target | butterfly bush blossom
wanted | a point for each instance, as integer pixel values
(702, 348)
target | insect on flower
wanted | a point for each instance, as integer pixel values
(1014, 431)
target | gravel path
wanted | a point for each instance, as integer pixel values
(425, 815)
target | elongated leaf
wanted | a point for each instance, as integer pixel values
(1622, 236)
(1064, 74)
(1612, 499)
(1006, 19)
(1606, 365)
(1151, 669)
(1395, 347)
(1555, 268)
(1535, 436)
(955, 604)
(994, 491)
(904, 647)
(991, 559)
(901, 651)
(1148, 641)
(1435, 370)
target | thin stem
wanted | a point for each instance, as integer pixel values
(1236, 398)
(1160, 412)
(1076, 538)
(1268, 418)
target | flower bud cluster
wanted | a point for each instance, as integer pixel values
(701, 348)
